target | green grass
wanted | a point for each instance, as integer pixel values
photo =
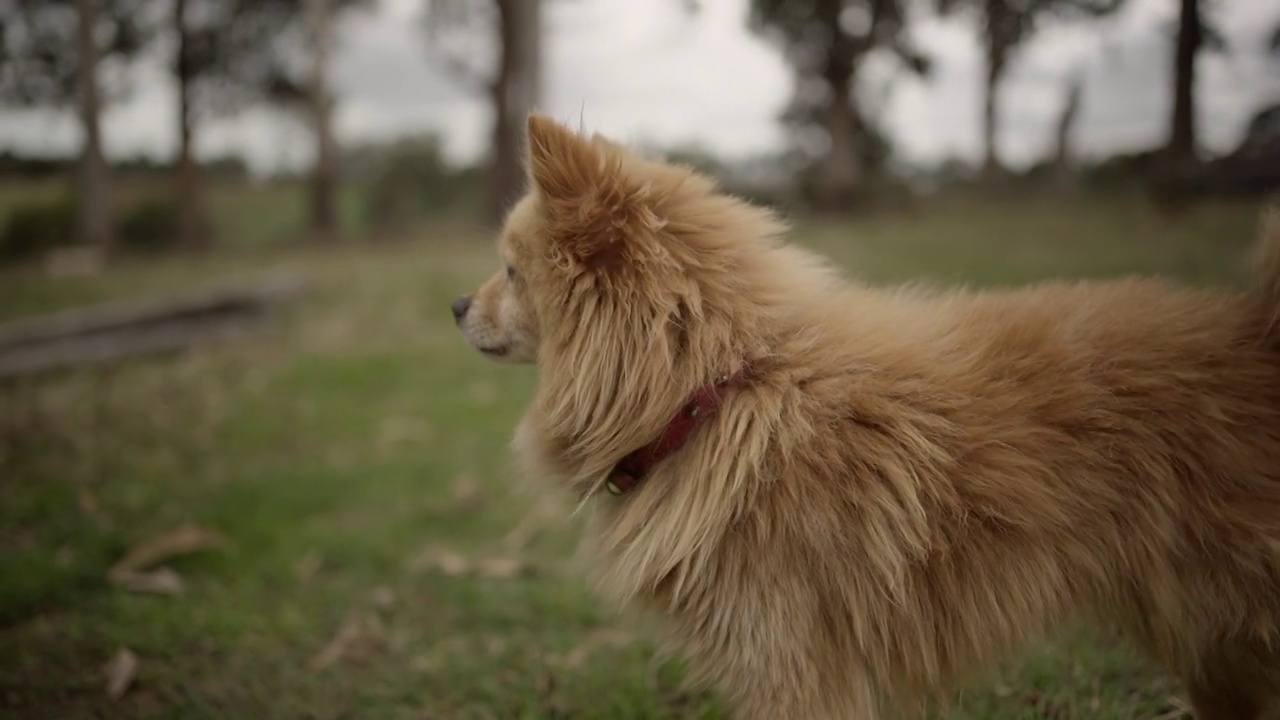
(356, 461)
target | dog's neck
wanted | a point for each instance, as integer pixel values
(632, 469)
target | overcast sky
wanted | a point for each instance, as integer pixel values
(646, 71)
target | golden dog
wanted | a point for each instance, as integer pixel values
(844, 499)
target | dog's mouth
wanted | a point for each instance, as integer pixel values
(494, 350)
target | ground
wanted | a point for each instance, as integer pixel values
(375, 557)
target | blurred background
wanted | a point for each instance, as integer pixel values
(247, 466)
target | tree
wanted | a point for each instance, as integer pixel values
(1181, 148)
(1005, 25)
(513, 85)
(826, 42)
(319, 20)
(228, 53)
(1180, 158)
(37, 71)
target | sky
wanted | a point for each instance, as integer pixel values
(645, 71)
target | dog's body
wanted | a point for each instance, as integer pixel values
(898, 488)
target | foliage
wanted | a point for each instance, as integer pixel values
(1020, 18)
(149, 224)
(36, 68)
(409, 180)
(38, 226)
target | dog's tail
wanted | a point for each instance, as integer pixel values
(1266, 290)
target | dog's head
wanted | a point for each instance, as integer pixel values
(608, 247)
(603, 236)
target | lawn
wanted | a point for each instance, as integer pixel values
(374, 557)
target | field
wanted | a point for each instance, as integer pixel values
(373, 556)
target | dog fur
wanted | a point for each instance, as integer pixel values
(907, 486)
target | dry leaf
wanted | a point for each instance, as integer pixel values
(484, 393)
(161, 581)
(186, 539)
(346, 636)
(121, 672)
(383, 596)
(87, 502)
(594, 641)
(500, 567)
(533, 522)
(357, 634)
(465, 491)
(451, 563)
(308, 565)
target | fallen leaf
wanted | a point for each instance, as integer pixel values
(495, 645)
(500, 567)
(87, 502)
(161, 581)
(594, 641)
(383, 596)
(465, 491)
(308, 565)
(484, 393)
(402, 431)
(453, 564)
(533, 522)
(185, 539)
(346, 636)
(121, 672)
(356, 635)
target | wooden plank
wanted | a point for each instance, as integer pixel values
(111, 316)
(115, 332)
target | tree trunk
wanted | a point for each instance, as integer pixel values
(193, 227)
(94, 222)
(1181, 150)
(839, 173)
(1063, 173)
(999, 39)
(515, 94)
(324, 173)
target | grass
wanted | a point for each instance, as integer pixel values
(378, 561)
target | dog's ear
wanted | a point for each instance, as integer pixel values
(563, 166)
(598, 212)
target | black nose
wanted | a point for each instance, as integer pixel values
(460, 307)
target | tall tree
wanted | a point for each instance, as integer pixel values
(1004, 26)
(228, 54)
(826, 41)
(468, 36)
(94, 225)
(1180, 159)
(36, 71)
(324, 223)
(1181, 148)
(193, 223)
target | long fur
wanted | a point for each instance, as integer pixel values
(911, 485)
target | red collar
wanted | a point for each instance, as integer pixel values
(629, 471)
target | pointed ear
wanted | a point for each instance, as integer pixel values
(598, 215)
(562, 164)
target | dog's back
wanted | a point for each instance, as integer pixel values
(954, 476)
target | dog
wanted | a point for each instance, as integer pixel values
(845, 500)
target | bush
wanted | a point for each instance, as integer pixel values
(36, 227)
(408, 181)
(149, 225)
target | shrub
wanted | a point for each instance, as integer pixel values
(409, 180)
(36, 227)
(149, 225)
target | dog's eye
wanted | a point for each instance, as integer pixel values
(511, 273)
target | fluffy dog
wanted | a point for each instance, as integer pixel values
(845, 499)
